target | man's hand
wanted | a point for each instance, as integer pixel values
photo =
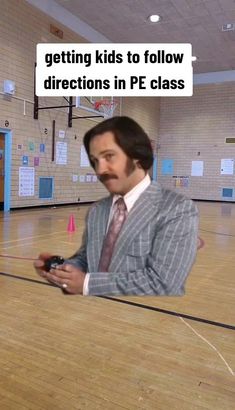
(66, 276)
(69, 275)
(40, 262)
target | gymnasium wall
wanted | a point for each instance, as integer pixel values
(21, 27)
(184, 129)
(195, 129)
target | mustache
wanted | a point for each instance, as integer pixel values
(107, 177)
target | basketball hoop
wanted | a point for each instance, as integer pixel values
(107, 107)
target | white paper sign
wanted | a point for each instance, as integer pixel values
(75, 178)
(82, 178)
(61, 153)
(94, 178)
(88, 178)
(26, 181)
(197, 169)
(84, 160)
(61, 133)
(227, 166)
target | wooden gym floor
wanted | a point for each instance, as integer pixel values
(74, 352)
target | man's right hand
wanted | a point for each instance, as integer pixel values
(40, 262)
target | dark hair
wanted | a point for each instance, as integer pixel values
(129, 135)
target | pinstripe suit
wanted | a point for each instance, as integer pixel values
(155, 249)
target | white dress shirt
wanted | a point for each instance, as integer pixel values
(130, 198)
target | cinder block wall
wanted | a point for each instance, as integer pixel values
(195, 128)
(145, 110)
(21, 27)
(182, 127)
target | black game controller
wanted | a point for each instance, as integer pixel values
(53, 262)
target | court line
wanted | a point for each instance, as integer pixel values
(210, 344)
(218, 233)
(18, 245)
(17, 257)
(32, 237)
(49, 215)
(170, 312)
(127, 302)
(10, 275)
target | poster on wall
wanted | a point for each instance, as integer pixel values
(61, 134)
(197, 169)
(181, 181)
(94, 178)
(167, 167)
(25, 160)
(31, 146)
(84, 160)
(61, 153)
(26, 181)
(227, 166)
(88, 178)
(74, 178)
(81, 178)
(36, 161)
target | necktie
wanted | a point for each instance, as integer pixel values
(119, 216)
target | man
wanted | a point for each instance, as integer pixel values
(142, 238)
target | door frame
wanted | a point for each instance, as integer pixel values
(7, 159)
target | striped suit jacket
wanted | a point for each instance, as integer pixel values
(155, 249)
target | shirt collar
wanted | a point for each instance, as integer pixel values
(131, 197)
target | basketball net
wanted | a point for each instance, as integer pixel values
(106, 107)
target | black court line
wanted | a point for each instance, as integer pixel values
(170, 312)
(218, 233)
(27, 279)
(127, 302)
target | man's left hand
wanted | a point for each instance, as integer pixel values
(68, 277)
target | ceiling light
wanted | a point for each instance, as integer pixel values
(154, 18)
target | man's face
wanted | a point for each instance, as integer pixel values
(114, 168)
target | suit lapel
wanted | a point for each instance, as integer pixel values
(140, 215)
(97, 227)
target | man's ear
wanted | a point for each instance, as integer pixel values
(137, 163)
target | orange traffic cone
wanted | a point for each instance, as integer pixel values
(71, 225)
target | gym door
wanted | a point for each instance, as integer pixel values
(2, 170)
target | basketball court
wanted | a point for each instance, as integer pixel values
(74, 352)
